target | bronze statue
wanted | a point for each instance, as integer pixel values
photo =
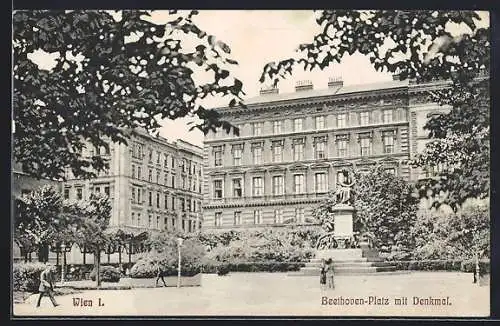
(343, 192)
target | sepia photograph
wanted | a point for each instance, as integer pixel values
(254, 163)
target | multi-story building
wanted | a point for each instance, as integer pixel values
(292, 148)
(151, 183)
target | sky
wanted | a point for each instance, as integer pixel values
(257, 37)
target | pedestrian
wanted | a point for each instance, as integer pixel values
(159, 274)
(46, 285)
(322, 274)
(330, 274)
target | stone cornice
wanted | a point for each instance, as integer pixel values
(318, 100)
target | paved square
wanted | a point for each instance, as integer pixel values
(261, 294)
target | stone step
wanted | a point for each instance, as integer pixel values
(346, 260)
(386, 273)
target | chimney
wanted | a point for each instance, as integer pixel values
(269, 90)
(303, 85)
(335, 82)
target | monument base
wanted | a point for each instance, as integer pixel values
(343, 221)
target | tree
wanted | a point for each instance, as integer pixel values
(419, 45)
(385, 208)
(114, 72)
(91, 218)
(37, 219)
(461, 235)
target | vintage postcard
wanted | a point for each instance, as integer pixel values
(250, 163)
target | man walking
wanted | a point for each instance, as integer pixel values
(46, 285)
(159, 274)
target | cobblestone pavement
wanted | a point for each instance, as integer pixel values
(264, 294)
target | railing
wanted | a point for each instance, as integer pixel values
(271, 198)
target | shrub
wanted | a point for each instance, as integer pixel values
(222, 270)
(165, 253)
(108, 274)
(26, 276)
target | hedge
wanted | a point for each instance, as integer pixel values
(26, 276)
(145, 267)
(253, 267)
(444, 265)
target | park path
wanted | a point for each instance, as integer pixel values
(261, 294)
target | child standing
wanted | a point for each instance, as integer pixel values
(322, 275)
(330, 274)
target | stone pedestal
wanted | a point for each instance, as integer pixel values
(343, 220)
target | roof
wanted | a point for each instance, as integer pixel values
(342, 90)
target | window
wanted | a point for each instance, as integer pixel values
(299, 215)
(173, 202)
(278, 216)
(277, 126)
(320, 179)
(158, 222)
(298, 150)
(165, 160)
(150, 198)
(173, 181)
(106, 191)
(218, 156)
(173, 222)
(183, 178)
(132, 218)
(298, 183)
(277, 152)
(66, 193)
(388, 139)
(138, 219)
(150, 155)
(217, 188)
(97, 189)
(278, 185)
(257, 217)
(183, 204)
(341, 120)
(79, 193)
(297, 124)
(237, 188)
(138, 172)
(364, 118)
(188, 205)
(166, 201)
(139, 196)
(237, 218)
(320, 150)
(133, 171)
(158, 176)
(320, 122)
(218, 218)
(342, 147)
(150, 219)
(173, 163)
(387, 116)
(257, 155)
(257, 128)
(258, 186)
(158, 157)
(157, 200)
(150, 178)
(165, 179)
(133, 195)
(237, 155)
(365, 146)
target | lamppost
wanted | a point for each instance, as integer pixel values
(63, 250)
(179, 244)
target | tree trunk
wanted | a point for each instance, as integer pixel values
(97, 263)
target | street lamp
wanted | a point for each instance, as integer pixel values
(179, 244)
(63, 250)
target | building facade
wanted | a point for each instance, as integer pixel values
(152, 184)
(292, 148)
